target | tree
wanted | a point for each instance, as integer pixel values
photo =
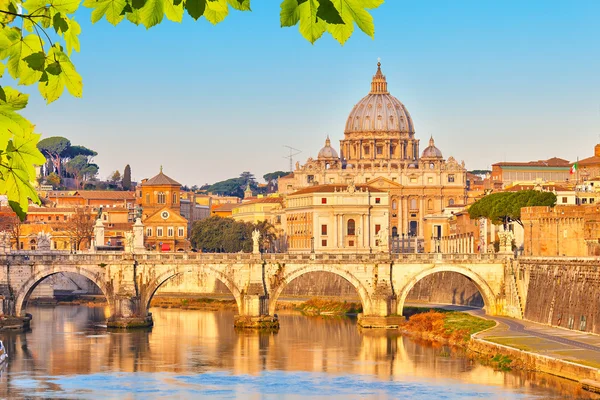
(54, 180)
(126, 182)
(79, 227)
(225, 235)
(272, 179)
(54, 147)
(504, 207)
(10, 223)
(25, 27)
(80, 169)
(74, 151)
(115, 178)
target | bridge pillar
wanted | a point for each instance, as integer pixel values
(129, 312)
(254, 313)
(382, 305)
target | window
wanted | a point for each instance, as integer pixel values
(105, 217)
(377, 200)
(148, 231)
(377, 228)
(64, 218)
(170, 231)
(310, 178)
(430, 180)
(351, 227)
(331, 180)
(394, 205)
(582, 323)
(564, 200)
(147, 198)
(367, 180)
(161, 198)
(394, 179)
(584, 201)
(570, 323)
(49, 218)
(592, 200)
(174, 197)
(323, 229)
(289, 187)
(180, 232)
(324, 243)
(431, 165)
(379, 150)
(351, 243)
(159, 231)
(451, 202)
(450, 178)
(323, 200)
(394, 231)
(413, 204)
(366, 150)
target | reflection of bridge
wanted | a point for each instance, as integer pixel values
(128, 281)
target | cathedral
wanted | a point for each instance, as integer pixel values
(380, 151)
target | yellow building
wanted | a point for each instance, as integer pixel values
(260, 209)
(164, 227)
(380, 145)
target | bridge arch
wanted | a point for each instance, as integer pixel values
(25, 290)
(155, 284)
(489, 299)
(365, 299)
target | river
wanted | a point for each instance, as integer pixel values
(192, 354)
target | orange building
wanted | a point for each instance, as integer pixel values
(164, 227)
(589, 168)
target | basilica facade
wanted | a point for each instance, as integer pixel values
(380, 152)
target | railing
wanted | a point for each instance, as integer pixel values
(32, 257)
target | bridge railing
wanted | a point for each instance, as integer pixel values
(32, 257)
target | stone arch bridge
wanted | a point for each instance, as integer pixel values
(129, 281)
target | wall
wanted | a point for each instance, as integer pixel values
(561, 289)
(446, 288)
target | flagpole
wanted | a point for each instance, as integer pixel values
(577, 170)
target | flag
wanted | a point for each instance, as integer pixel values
(574, 168)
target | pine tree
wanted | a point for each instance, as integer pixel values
(126, 182)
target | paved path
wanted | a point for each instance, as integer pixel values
(566, 344)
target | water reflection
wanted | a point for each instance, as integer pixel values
(69, 353)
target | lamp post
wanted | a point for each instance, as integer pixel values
(402, 242)
(312, 244)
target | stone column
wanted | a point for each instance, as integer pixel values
(98, 234)
(421, 215)
(138, 236)
(472, 243)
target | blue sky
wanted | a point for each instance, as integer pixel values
(490, 80)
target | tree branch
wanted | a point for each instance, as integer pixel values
(28, 16)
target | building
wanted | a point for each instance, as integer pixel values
(164, 227)
(256, 210)
(193, 209)
(337, 218)
(570, 230)
(589, 168)
(508, 173)
(379, 149)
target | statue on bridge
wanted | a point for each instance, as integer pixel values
(255, 241)
(44, 241)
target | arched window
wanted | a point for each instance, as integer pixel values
(394, 231)
(161, 198)
(174, 197)
(351, 227)
(451, 202)
(394, 205)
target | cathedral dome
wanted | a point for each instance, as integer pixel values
(328, 152)
(431, 151)
(379, 111)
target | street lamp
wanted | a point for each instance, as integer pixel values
(402, 242)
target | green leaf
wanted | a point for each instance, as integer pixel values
(152, 13)
(138, 4)
(65, 6)
(36, 61)
(72, 36)
(241, 5)
(111, 9)
(172, 11)
(59, 23)
(13, 99)
(2, 68)
(135, 16)
(54, 68)
(20, 49)
(2, 94)
(311, 27)
(290, 13)
(328, 13)
(60, 76)
(195, 8)
(216, 11)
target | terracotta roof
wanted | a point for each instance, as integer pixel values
(161, 179)
(290, 175)
(225, 206)
(593, 160)
(531, 186)
(551, 162)
(261, 200)
(334, 188)
(106, 195)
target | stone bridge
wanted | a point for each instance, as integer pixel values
(129, 281)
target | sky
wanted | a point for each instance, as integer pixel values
(492, 81)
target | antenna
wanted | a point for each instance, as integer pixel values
(293, 152)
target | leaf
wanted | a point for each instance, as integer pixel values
(2, 68)
(216, 11)
(135, 16)
(2, 94)
(13, 98)
(20, 49)
(137, 4)
(72, 36)
(195, 8)
(111, 9)
(60, 74)
(311, 27)
(172, 11)
(65, 6)
(152, 13)
(36, 61)
(241, 5)
(289, 14)
(328, 13)
(59, 23)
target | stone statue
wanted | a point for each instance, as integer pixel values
(382, 240)
(44, 241)
(255, 239)
(5, 243)
(505, 239)
(129, 242)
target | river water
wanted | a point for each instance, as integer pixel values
(194, 354)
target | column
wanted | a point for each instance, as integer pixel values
(421, 216)
(472, 242)
(362, 232)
